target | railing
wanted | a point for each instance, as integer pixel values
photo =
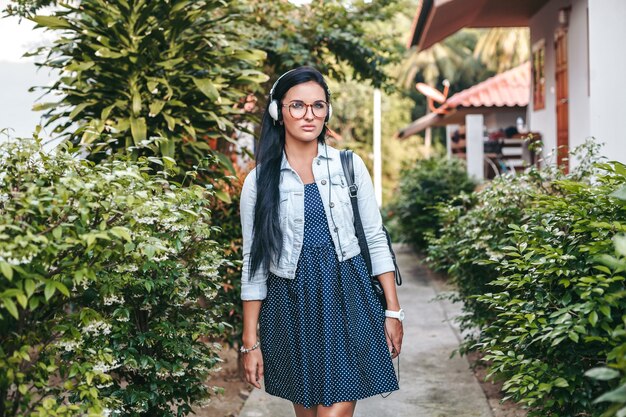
(502, 155)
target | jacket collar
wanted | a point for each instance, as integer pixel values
(323, 152)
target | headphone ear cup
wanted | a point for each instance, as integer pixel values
(330, 112)
(272, 109)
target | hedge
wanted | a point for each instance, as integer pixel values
(101, 270)
(531, 259)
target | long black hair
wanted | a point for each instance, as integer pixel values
(267, 242)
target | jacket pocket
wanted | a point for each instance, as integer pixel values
(340, 189)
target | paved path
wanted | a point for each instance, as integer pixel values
(431, 383)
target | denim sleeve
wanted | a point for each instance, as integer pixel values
(372, 220)
(253, 287)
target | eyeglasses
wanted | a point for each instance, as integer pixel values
(298, 109)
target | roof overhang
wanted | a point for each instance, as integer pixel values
(455, 116)
(423, 123)
(458, 115)
(435, 20)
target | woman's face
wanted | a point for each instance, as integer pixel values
(309, 127)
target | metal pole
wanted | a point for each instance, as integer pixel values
(378, 188)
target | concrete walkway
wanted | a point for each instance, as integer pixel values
(431, 383)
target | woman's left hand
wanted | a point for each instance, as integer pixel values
(393, 334)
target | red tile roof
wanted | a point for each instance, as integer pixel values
(508, 89)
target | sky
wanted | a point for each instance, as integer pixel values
(19, 36)
(18, 74)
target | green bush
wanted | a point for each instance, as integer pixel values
(102, 267)
(475, 227)
(557, 309)
(430, 181)
(527, 260)
(226, 214)
(617, 357)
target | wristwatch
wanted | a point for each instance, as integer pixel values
(395, 314)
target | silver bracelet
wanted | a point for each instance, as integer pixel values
(255, 346)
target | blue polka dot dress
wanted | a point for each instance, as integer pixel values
(322, 333)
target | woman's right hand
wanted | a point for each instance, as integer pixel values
(253, 367)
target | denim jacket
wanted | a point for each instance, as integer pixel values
(336, 200)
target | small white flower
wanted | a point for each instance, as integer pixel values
(97, 327)
(113, 299)
(69, 345)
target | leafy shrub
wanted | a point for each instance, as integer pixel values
(617, 357)
(153, 78)
(526, 258)
(430, 181)
(475, 227)
(226, 214)
(102, 266)
(556, 307)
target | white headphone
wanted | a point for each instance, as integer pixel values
(272, 109)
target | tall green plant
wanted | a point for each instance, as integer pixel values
(101, 270)
(154, 78)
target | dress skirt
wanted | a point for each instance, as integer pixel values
(322, 333)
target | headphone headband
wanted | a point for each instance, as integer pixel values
(276, 83)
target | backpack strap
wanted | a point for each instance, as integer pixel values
(348, 170)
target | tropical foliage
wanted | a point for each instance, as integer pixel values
(501, 49)
(153, 78)
(329, 35)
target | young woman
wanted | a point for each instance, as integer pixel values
(325, 340)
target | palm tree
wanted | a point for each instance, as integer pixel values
(446, 59)
(450, 59)
(501, 49)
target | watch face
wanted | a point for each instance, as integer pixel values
(401, 315)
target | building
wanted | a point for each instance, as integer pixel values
(576, 62)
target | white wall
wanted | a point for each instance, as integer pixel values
(607, 27)
(543, 26)
(578, 61)
(596, 36)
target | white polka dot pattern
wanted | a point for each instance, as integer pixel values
(322, 333)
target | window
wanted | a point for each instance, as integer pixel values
(538, 74)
